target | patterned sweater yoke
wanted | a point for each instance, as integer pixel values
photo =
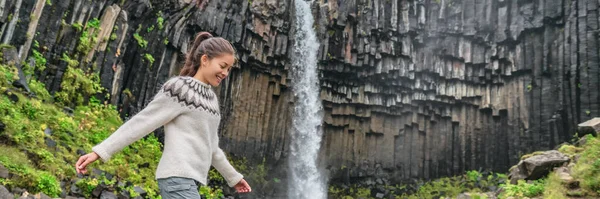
(189, 111)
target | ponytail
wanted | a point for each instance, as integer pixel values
(192, 63)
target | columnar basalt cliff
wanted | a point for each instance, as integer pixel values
(410, 88)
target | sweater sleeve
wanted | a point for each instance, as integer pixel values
(157, 113)
(220, 162)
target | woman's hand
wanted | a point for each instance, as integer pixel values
(84, 161)
(242, 187)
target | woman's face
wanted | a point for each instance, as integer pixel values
(213, 71)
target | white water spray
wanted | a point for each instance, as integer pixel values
(306, 180)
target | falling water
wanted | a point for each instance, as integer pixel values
(306, 180)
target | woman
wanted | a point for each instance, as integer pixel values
(188, 109)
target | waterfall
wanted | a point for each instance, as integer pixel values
(306, 180)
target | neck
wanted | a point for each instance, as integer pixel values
(200, 78)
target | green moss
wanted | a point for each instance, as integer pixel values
(160, 21)
(587, 168)
(78, 27)
(569, 149)
(150, 29)
(26, 175)
(141, 41)
(149, 58)
(531, 155)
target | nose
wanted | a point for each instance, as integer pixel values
(225, 73)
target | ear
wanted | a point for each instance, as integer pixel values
(203, 60)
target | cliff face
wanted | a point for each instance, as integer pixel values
(411, 88)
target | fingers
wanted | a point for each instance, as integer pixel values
(247, 186)
(78, 166)
(82, 163)
(243, 187)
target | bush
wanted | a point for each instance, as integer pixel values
(523, 189)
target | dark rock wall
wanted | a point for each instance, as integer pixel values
(411, 88)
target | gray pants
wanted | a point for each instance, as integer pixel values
(178, 187)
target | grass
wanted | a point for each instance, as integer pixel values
(38, 167)
(587, 169)
(554, 188)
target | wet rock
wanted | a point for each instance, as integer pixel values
(564, 174)
(69, 111)
(48, 131)
(140, 191)
(3, 172)
(537, 166)
(50, 143)
(144, 165)
(27, 195)
(75, 190)
(98, 190)
(41, 196)
(4, 193)
(13, 98)
(73, 197)
(12, 56)
(18, 191)
(81, 152)
(108, 195)
(589, 127)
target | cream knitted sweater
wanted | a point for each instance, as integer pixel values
(189, 111)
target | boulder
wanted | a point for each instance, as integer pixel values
(537, 166)
(4, 193)
(3, 172)
(589, 127)
(107, 195)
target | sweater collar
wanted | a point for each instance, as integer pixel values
(205, 85)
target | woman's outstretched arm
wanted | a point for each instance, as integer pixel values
(158, 112)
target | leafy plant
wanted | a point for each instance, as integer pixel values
(149, 58)
(160, 21)
(523, 189)
(140, 40)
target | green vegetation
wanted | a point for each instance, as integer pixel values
(141, 41)
(472, 181)
(89, 35)
(523, 189)
(39, 167)
(587, 167)
(149, 58)
(150, 29)
(160, 20)
(554, 188)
